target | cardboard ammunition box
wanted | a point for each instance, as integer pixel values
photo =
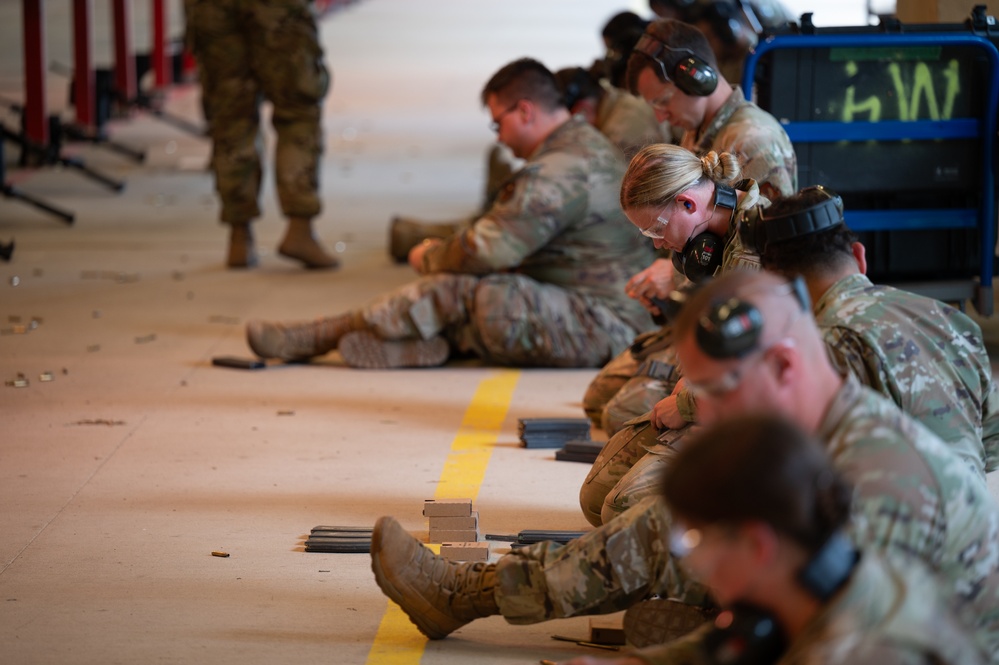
(605, 630)
(465, 551)
(447, 507)
(453, 535)
(470, 522)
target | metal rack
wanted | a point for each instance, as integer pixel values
(981, 129)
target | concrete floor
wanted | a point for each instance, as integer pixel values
(120, 475)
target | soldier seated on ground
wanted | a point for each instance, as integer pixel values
(689, 206)
(538, 280)
(673, 68)
(927, 357)
(626, 120)
(759, 517)
(912, 498)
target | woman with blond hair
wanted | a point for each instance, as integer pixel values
(690, 206)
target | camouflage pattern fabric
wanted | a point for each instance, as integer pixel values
(756, 138)
(627, 469)
(889, 613)
(615, 397)
(913, 498)
(928, 357)
(766, 156)
(506, 318)
(925, 356)
(248, 51)
(628, 121)
(539, 279)
(606, 570)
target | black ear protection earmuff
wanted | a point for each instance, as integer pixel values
(701, 256)
(723, 17)
(691, 74)
(755, 236)
(746, 633)
(830, 568)
(732, 328)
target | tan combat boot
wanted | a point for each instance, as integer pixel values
(300, 341)
(405, 233)
(439, 596)
(300, 243)
(365, 350)
(242, 250)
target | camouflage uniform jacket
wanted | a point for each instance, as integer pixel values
(754, 136)
(926, 356)
(889, 613)
(628, 121)
(559, 221)
(912, 498)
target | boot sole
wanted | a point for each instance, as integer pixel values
(365, 350)
(658, 621)
(422, 614)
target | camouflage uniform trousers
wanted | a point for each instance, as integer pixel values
(628, 469)
(604, 571)
(630, 385)
(247, 51)
(505, 318)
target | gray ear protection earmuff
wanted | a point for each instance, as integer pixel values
(732, 328)
(691, 74)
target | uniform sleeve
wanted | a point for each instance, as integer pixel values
(849, 352)
(898, 506)
(532, 208)
(686, 405)
(990, 429)
(764, 151)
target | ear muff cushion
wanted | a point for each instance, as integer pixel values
(729, 330)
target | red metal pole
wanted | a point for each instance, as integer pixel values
(124, 58)
(35, 125)
(83, 66)
(161, 62)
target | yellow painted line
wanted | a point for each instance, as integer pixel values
(398, 642)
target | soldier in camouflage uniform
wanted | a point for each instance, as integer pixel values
(248, 51)
(927, 357)
(763, 504)
(537, 281)
(626, 120)
(653, 185)
(668, 177)
(723, 121)
(913, 498)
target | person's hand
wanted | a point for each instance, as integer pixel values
(416, 254)
(656, 281)
(665, 413)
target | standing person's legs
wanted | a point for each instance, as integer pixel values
(288, 62)
(216, 32)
